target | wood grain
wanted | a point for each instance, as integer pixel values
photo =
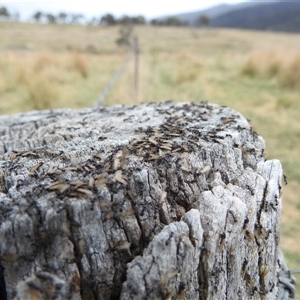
(156, 201)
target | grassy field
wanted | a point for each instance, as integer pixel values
(256, 73)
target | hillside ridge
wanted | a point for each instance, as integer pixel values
(274, 16)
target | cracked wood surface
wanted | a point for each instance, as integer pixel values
(156, 201)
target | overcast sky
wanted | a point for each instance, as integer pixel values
(149, 9)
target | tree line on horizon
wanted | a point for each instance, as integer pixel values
(106, 20)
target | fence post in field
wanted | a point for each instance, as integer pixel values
(135, 49)
(155, 201)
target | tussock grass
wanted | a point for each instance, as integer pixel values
(40, 78)
(265, 63)
(41, 94)
(291, 73)
(79, 63)
(283, 64)
(44, 61)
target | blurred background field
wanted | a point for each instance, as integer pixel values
(256, 73)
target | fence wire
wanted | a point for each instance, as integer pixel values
(287, 282)
(112, 82)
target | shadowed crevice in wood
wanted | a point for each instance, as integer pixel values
(157, 201)
(3, 294)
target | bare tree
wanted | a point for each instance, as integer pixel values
(203, 20)
(4, 13)
(51, 18)
(77, 18)
(62, 17)
(37, 16)
(108, 20)
(174, 21)
(125, 35)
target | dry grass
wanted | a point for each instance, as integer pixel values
(79, 63)
(41, 94)
(68, 66)
(283, 65)
(49, 79)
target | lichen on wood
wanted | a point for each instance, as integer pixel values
(156, 201)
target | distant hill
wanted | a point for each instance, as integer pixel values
(278, 16)
(192, 18)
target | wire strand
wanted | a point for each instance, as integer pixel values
(112, 82)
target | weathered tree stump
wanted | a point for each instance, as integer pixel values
(157, 201)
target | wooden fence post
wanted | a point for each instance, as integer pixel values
(136, 52)
(156, 201)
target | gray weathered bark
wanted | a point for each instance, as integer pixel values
(157, 201)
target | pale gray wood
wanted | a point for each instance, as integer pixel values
(156, 201)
